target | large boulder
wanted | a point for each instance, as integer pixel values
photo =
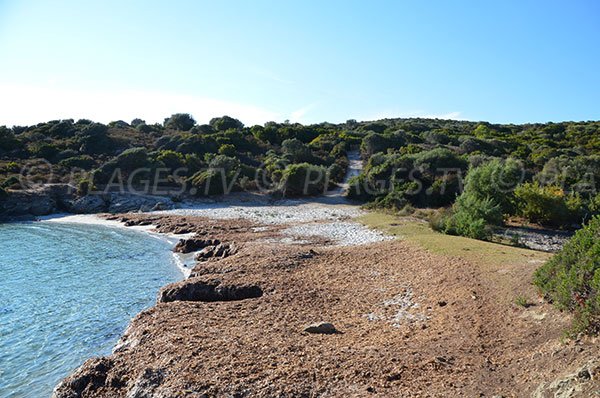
(207, 291)
(321, 328)
(194, 244)
(221, 250)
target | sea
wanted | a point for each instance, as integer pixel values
(68, 292)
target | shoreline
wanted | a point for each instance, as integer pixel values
(100, 219)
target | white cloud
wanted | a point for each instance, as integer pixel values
(25, 105)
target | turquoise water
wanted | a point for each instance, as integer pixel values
(67, 292)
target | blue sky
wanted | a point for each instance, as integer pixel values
(306, 61)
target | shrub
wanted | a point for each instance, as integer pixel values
(171, 159)
(394, 200)
(571, 279)
(43, 150)
(496, 179)
(336, 173)
(296, 151)
(133, 158)
(547, 205)
(85, 162)
(303, 179)
(8, 141)
(227, 149)
(180, 121)
(439, 159)
(220, 178)
(471, 217)
(522, 301)
(225, 123)
(373, 143)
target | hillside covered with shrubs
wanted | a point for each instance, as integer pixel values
(481, 174)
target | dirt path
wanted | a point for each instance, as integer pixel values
(355, 166)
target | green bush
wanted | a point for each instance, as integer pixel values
(8, 141)
(171, 159)
(303, 179)
(547, 205)
(336, 173)
(225, 123)
(180, 121)
(296, 151)
(44, 150)
(85, 162)
(496, 179)
(394, 200)
(471, 217)
(373, 143)
(221, 176)
(571, 279)
(227, 149)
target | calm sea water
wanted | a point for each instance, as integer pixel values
(67, 292)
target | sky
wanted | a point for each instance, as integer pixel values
(304, 61)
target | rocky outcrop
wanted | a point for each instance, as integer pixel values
(123, 203)
(207, 291)
(88, 379)
(581, 383)
(221, 250)
(58, 198)
(40, 201)
(89, 204)
(194, 244)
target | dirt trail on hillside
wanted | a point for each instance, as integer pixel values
(410, 323)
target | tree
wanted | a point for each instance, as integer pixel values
(180, 122)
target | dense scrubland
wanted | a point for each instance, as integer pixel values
(478, 175)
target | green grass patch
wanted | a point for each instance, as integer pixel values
(419, 232)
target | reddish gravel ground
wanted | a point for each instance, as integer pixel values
(410, 323)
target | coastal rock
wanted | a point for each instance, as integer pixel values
(88, 379)
(146, 384)
(221, 250)
(321, 328)
(207, 291)
(123, 203)
(38, 201)
(89, 204)
(194, 244)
